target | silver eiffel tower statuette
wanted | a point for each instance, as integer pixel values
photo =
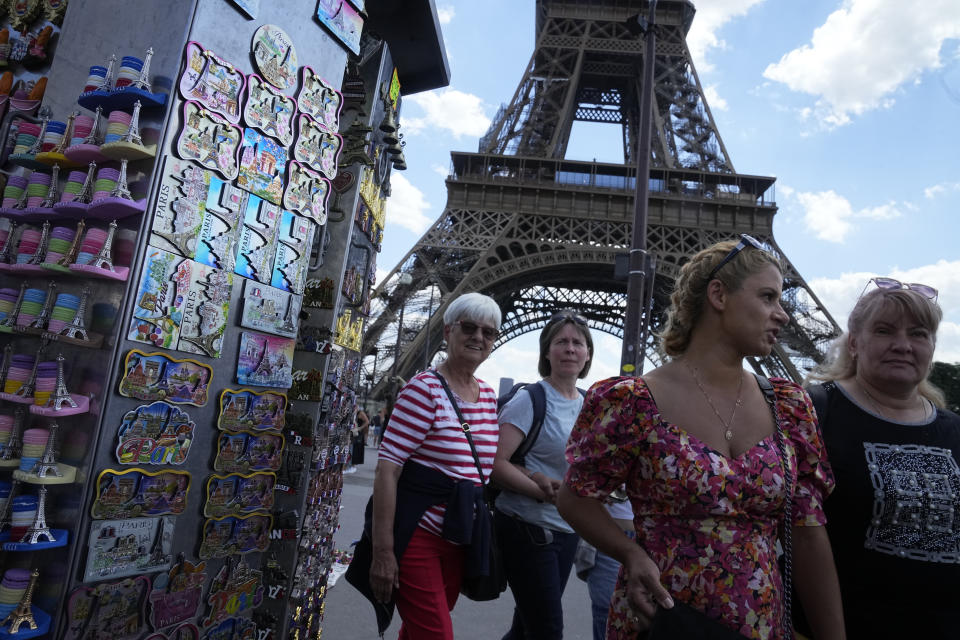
(107, 83)
(86, 191)
(95, 137)
(7, 507)
(76, 329)
(60, 395)
(104, 259)
(53, 193)
(6, 252)
(71, 255)
(133, 131)
(40, 322)
(121, 190)
(11, 319)
(46, 466)
(39, 528)
(28, 387)
(41, 252)
(15, 443)
(5, 366)
(143, 82)
(38, 145)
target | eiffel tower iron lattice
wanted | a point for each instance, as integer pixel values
(540, 233)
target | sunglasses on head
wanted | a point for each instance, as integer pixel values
(888, 284)
(745, 241)
(470, 328)
(559, 316)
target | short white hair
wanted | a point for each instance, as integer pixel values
(473, 306)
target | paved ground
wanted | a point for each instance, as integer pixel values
(348, 615)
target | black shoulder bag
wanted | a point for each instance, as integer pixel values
(683, 621)
(481, 587)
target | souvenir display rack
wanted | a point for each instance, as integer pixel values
(187, 243)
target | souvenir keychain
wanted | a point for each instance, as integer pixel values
(128, 547)
(245, 409)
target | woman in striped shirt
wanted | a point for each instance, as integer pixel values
(426, 469)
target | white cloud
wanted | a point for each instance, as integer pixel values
(864, 51)
(713, 98)
(710, 18)
(445, 13)
(939, 189)
(440, 170)
(406, 206)
(831, 216)
(458, 112)
(840, 294)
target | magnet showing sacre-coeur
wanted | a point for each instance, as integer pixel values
(275, 56)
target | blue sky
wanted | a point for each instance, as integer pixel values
(854, 105)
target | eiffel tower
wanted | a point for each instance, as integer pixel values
(540, 233)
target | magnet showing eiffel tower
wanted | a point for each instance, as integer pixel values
(540, 233)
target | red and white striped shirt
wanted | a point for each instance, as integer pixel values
(424, 428)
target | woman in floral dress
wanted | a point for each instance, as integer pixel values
(697, 446)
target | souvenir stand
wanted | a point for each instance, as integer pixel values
(184, 277)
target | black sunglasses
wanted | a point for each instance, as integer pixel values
(572, 316)
(888, 284)
(470, 328)
(745, 241)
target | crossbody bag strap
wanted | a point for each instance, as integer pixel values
(787, 536)
(463, 425)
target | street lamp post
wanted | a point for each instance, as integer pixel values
(641, 264)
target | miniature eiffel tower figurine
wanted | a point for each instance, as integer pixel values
(107, 83)
(7, 507)
(40, 322)
(7, 251)
(23, 613)
(60, 395)
(38, 145)
(156, 549)
(22, 202)
(15, 443)
(11, 319)
(288, 325)
(38, 255)
(26, 390)
(67, 135)
(121, 190)
(95, 137)
(46, 466)
(133, 131)
(53, 194)
(104, 259)
(143, 81)
(76, 329)
(86, 191)
(5, 367)
(71, 255)
(39, 527)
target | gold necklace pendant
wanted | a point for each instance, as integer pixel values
(727, 424)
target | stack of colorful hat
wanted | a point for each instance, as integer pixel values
(95, 79)
(13, 191)
(34, 442)
(73, 186)
(91, 244)
(27, 133)
(37, 188)
(29, 243)
(15, 581)
(59, 243)
(124, 244)
(21, 366)
(117, 125)
(129, 72)
(8, 300)
(31, 307)
(64, 310)
(82, 126)
(23, 513)
(53, 135)
(105, 183)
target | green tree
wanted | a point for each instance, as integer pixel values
(947, 377)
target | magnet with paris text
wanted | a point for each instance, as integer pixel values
(256, 243)
(317, 146)
(265, 361)
(249, 410)
(158, 313)
(307, 192)
(238, 495)
(186, 631)
(263, 165)
(307, 385)
(275, 56)
(115, 610)
(232, 629)
(212, 82)
(318, 293)
(133, 493)
(268, 110)
(177, 594)
(158, 433)
(128, 547)
(247, 452)
(223, 212)
(319, 99)
(210, 140)
(270, 310)
(294, 239)
(205, 311)
(234, 535)
(157, 376)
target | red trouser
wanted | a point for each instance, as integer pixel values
(430, 573)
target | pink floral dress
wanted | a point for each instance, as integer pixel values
(708, 521)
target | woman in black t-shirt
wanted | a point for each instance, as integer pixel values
(894, 516)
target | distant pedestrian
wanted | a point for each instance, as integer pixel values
(377, 422)
(358, 440)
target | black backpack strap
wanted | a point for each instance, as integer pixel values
(538, 396)
(820, 395)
